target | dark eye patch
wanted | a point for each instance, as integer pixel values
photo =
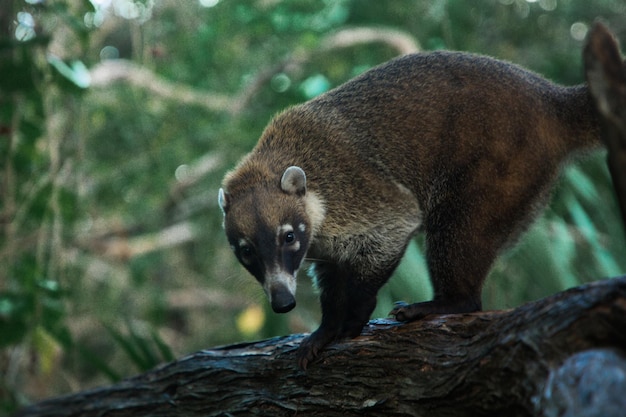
(245, 251)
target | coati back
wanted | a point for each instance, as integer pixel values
(463, 147)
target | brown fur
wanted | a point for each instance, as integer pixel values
(462, 146)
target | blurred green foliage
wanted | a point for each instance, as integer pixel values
(119, 118)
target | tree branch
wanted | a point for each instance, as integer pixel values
(606, 75)
(111, 71)
(121, 248)
(401, 41)
(489, 363)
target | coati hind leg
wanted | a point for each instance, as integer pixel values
(456, 283)
(462, 242)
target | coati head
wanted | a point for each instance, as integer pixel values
(269, 229)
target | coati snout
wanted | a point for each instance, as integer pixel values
(462, 147)
(272, 248)
(282, 298)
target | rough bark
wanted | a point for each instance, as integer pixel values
(489, 363)
(606, 75)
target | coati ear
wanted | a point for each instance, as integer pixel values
(222, 200)
(293, 181)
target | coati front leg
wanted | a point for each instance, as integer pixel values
(347, 302)
(349, 289)
(332, 282)
(361, 303)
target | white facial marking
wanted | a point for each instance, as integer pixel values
(284, 229)
(302, 227)
(316, 211)
(280, 232)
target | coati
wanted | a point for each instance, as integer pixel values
(461, 146)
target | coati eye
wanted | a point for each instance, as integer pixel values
(290, 237)
(246, 252)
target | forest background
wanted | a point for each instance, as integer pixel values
(119, 118)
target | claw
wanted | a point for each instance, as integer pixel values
(307, 353)
(304, 361)
(312, 345)
(398, 310)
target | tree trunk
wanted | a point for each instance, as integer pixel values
(488, 363)
(606, 75)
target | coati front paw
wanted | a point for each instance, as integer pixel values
(311, 346)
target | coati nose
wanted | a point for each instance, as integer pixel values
(282, 300)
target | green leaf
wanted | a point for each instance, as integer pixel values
(149, 358)
(582, 183)
(314, 86)
(13, 318)
(127, 346)
(562, 254)
(95, 361)
(140, 349)
(47, 349)
(76, 71)
(166, 353)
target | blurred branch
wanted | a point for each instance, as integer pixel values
(192, 174)
(401, 41)
(203, 298)
(606, 75)
(111, 71)
(123, 248)
(131, 241)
